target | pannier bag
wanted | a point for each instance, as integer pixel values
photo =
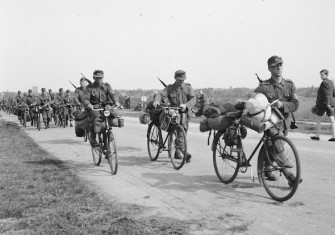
(231, 136)
(144, 117)
(164, 120)
(204, 125)
(219, 123)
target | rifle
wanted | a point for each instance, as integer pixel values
(88, 80)
(73, 85)
(162, 82)
(293, 123)
(260, 80)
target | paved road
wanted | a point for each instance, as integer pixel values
(194, 193)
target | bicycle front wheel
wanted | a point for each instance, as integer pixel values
(226, 159)
(97, 154)
(25, 119)
(279, 168)
(39, 121)
(154, 140)
(112, 153)
(177, 146)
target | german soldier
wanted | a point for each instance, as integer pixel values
(68, 102)
(29, 101)
(181, 95)
(44, 101)
(100, 93)
(278, 88)
(80, 94)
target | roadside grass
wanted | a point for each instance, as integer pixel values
(40, 195)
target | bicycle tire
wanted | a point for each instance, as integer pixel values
(64, 120)
(97, 154)
(175, 149)
(85, 136)
(38, 121)
(226, 160)
(112, 154)
(25, 119)
(154, 138)
(280, 189)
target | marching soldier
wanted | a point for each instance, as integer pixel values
(181, 95)
(44, 101)
(53, 105)
(80, 94)
(29, 101)
(68, 101)
(19, 100)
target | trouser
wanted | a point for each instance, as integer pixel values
(92, 115)
(180, 140)
(46, 115)
(279, 155)
(70, 112)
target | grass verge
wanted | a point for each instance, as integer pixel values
(40, 195)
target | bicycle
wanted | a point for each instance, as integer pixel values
(38, 111)
(106, 138)
(229, 158)
(175, 132)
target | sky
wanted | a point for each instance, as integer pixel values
(219, 43)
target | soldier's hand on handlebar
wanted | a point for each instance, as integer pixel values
(183, 107)
(279, 104)
(90, 106)
(155, 104)
(117, 104)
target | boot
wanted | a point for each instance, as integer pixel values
(93, 140)
(46, 125)
(71, 124)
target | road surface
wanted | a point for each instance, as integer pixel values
(194, 193)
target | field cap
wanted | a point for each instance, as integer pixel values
(180, 75)
(274, 60)
(43, 89)
(60, 89)
(19, 92)
(67, 91)
(30, 91)
(98, 74)
(82, 79)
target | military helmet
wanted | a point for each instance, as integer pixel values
(60, 89)
(67, 91)
(30, 90)
(19, 92)
(43, 89)
(50, 90)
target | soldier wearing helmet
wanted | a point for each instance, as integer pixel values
(68, 102)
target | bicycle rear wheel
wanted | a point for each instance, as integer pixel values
(280, 182)
(112, 153)
(177, 146)
(97, 153)
(85, 136)
(226, 159)
(154, 138)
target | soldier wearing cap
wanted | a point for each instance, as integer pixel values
(53, 105)
(19, 101)
(68, 102)
(181, 95)
(30, 101)
(59, 100)
(279, 88)
(44, 102)
(99, 94)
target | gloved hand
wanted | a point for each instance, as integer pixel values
(155, 104)
(183, 107)
(90, 106)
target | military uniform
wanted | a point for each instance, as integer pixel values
(98, 93)
(19, 101)
(284, 92)
(68, 102)
(30, 101)
(44, 101)
(179, 94)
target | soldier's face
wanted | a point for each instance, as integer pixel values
(179, 81)
(83, 83)
(98, 80)
(276, 70)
